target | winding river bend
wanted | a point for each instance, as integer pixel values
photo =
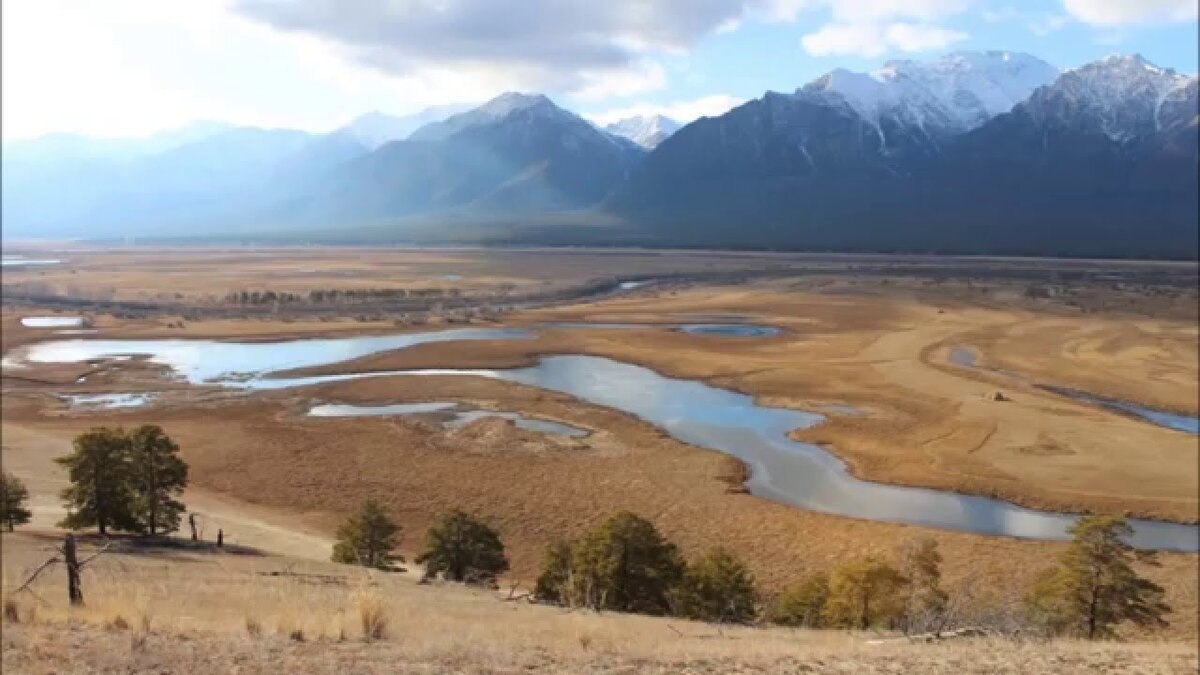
(694, 412)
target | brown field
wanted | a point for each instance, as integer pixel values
(279, 481)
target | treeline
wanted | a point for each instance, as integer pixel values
(626, 565)
(336, 295)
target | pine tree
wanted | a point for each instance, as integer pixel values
(626, 565)
(367, 538)
(719, 588)
(864, 593)
(1094, 588)
(13, 498)
(157, 474)
(463, 548)
(100, 493)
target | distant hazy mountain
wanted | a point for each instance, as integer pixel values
(993, 152)
(375, 128)
(926, 158)
(216, 180)
(517, 153)
(645, 130)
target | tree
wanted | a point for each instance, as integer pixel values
(924, 599)
(803, 604)
(157, 474)
(1094, 588)
(100, 493)
(718, 587)
(367, 538)
(626, 565)
(463, 548)
(554, 584)
(864, 593)
(13, 497)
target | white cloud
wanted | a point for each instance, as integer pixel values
(647, 76)
(871, 40)
(1122, 12)
(680, 111)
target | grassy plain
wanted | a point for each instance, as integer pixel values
(182, 609)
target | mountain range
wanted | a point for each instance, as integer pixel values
(992, 152)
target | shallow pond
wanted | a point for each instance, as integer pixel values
(51, 321)
(108, 401)
(796, 473)
(729, 329)
(460, 417)
(22, 261)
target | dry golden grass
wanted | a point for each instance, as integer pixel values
(170, 611)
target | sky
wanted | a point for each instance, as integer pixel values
(120, 68)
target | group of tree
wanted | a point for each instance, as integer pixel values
(335, 295)
(459, 547)
(626, 565)
(124, 480)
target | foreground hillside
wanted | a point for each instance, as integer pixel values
(167, 610)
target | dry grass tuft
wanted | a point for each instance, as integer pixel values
(372, 614)
(253, 627)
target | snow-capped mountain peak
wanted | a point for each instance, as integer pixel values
(1123, 93)
(500, 108)
(645, 130)
(955, 93)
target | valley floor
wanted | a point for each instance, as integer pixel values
(278, 482)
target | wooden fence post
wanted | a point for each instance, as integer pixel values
(74, 591)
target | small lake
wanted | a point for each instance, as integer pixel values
(108, 401)
(460, 418)
(51, 321)
(740, 330)
(22, 261)
(784, 470)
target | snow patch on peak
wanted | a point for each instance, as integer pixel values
(1124, 92)
(956, 93)
(645, 130)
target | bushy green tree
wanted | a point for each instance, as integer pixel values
(802, 604)
(367, 538)
(717, 587)
(1094, 588)
(463, 548)
(101, 491)
(864, 593)
(13, 498)
(626, 565)
(158, 475)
